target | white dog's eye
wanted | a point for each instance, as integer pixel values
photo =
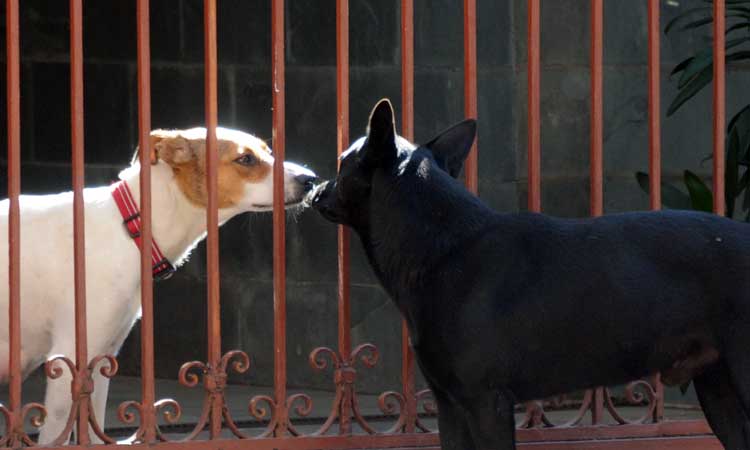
(248, 159)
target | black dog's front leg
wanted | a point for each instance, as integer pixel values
(454, 425)
(491, 421)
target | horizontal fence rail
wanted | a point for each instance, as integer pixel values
(408, 413)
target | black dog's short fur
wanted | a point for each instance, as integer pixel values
(505, 308)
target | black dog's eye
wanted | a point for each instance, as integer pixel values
(248, 159)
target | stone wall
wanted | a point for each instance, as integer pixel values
(245, 103)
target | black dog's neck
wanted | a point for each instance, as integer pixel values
(415, 224)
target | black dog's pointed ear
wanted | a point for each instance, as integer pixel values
(451, 147)
(381, 135)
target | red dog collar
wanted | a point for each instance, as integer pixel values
(161, 267)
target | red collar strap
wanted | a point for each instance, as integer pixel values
(161, 267)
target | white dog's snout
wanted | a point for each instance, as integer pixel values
(295, 170)
(298, 180)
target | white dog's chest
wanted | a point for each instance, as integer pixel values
(47, 274)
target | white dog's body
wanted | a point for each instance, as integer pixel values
(112, 264)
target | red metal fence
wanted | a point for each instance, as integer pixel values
(651, 431)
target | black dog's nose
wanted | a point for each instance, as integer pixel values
(306, 180)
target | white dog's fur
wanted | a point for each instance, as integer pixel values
(112, 258)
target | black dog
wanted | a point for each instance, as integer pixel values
(505, 308)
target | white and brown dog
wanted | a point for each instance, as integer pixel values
(179, 196)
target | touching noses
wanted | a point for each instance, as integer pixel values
(303, 176)
(307, 181)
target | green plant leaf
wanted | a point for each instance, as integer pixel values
(742, 185)
(671, 197)
(732, 10)
(740, 123)
(744, 159)
(684, 16)
(730, 2)
(738, 56)
(701, 198)
(737, 27)
(697, 72)
(746, 204)
(744, 114)
(705, 58)
(681, 66)
(697, 23)
(692, 88)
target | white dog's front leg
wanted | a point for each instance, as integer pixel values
(99, 402)
(58, 402)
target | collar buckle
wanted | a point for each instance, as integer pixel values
(163, 270)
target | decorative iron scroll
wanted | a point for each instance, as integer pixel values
(15, 434)
(279, 423)
(169, 409)
(214, 383)
(81, 386)
(345, 407)
(636, 393)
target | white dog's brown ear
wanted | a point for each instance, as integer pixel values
(173, 150)
(152, 144)
(164, 145)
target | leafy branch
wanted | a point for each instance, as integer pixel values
(695, 73)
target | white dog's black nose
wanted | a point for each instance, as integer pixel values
(306, 180)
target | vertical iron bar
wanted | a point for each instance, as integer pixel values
(344, 239)
(534, 114)
(470, 86)
(597, 405)
(534, 182)
(597, 115)
(14, 189)
(79, 256)
(407, 120)
(654, 147)
(407, 68)
(596, 169)
(342, 142)
(654, 105)
(279, 215)
(719, 105)
(212, 212)
(147, 281)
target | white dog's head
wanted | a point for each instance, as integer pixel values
(245, 170)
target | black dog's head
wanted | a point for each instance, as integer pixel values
(377, 159)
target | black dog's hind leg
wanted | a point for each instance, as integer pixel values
(723, 407)
(491, 420)
(453, 423)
